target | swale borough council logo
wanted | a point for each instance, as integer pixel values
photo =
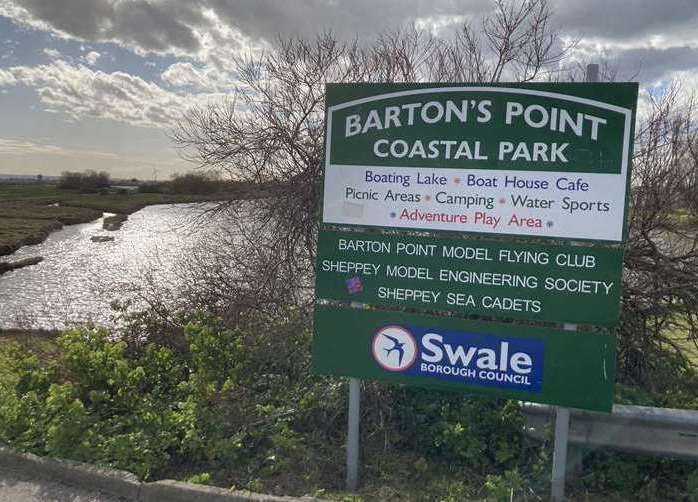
(394, 348)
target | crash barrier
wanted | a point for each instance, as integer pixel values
(646, 430)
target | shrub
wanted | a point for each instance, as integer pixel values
(237, 406)
(86, 181)
(222, 400)
(151, 187)
(195, 183)
(95, 403)
(692, 486)
(476, 431)
(639, 477)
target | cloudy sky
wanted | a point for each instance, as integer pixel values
(98, 83)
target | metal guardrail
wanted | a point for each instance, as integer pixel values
(637, 429)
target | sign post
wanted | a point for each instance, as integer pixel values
(562, 415)
(562, 429)
(353, 434)
(501, 202)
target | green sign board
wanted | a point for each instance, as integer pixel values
(506, 201)
(518, 362)
(492, 278)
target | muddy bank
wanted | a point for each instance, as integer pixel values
(6, 266)
(101, 238)
(112, 223)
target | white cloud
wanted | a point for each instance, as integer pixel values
(184, 74)
(201, 79)
(7, 78)
(52, 53)
(202, 39)
(91, 57)
(437, 24)
(144, 26)
(188, 30)
(82, 92)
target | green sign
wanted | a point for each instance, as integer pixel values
(512, 361)
(500, 279)
(421, 182)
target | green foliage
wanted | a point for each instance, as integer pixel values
(505, 487)
(237, 406)
(475, 431)
(95, 403)
(203, 478)
(227, 398)
(692, 486)
(639, 477)
(676, 386)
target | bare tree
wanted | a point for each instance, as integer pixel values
(660, 297)
(272, 131)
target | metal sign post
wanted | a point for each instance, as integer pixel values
(562, 431)
(562, 415)
(353, 434)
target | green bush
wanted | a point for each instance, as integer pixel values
(95, 404)
(505, 487)
(224, 400)
(151, 187)
(692, 486)
(475, 431)
(638, 477)
(86, 181)
(195, 183)
(239, 407)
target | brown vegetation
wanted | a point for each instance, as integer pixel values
(6, 266)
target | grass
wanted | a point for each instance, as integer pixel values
(18, 232)
(679, 335)
(67, 215)
(130, 203)
(684, 218)
(40, 193)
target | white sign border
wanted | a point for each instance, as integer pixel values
(626, 112)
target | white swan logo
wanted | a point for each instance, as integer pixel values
(394, 348)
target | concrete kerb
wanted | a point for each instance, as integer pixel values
(124, 484)
(119, 483)
(176, 491)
